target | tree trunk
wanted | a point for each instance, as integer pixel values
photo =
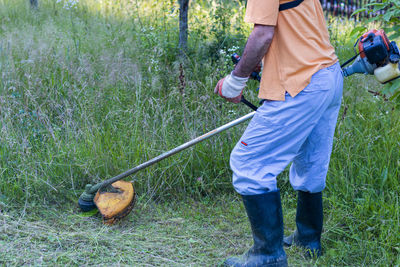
(34, 3)
(183, 25)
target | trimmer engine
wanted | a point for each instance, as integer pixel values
(376, 55)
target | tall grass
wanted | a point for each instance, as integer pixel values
(89, 92)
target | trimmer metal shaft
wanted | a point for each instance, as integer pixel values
(93, 189)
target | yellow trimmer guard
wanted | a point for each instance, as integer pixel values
(114, 206)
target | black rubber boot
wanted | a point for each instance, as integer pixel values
(309, 217)
(265, 216)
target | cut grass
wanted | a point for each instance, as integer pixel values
(177, 233)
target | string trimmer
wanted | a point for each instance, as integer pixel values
(115, 198)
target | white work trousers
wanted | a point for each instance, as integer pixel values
(298, 130)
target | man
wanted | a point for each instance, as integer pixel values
(302, 86)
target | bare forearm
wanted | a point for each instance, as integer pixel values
(231, 87)
(256, 47)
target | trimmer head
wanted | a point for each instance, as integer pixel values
(85, 201)
(86, 205)
(116, 203)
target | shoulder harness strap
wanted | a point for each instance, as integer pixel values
(290, 5)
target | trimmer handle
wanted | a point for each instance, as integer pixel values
(247, 103)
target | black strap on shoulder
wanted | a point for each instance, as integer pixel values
(290, 5)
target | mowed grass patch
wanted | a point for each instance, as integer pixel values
(168, 234)
(176, 233)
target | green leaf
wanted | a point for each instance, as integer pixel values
(395, 96)
(391, 87)
(358, 31)
(386, 88)
(394, 35)
(388, 15)
(358, 11)
(375, 5)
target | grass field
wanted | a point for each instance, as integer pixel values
(175, 233)
(91, 90)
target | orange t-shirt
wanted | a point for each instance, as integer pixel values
(299, 49)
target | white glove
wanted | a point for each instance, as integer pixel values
(233, 86)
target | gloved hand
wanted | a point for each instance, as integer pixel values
(231, 88)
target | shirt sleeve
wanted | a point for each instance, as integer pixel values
(264, 12)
